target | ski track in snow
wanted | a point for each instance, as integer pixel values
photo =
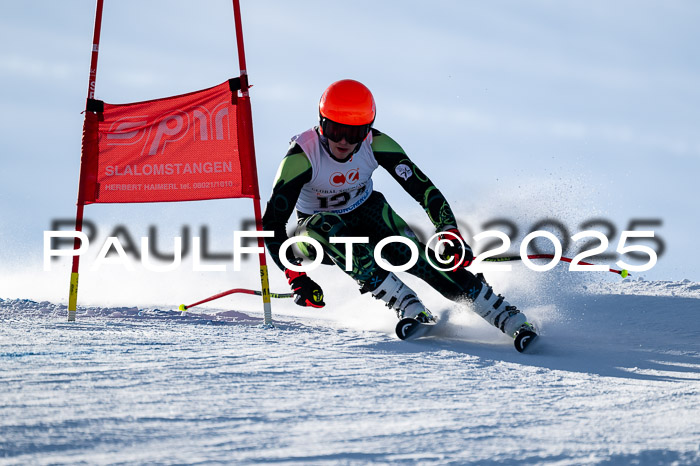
(614, 379)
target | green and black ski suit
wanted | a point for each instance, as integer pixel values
(344, 204)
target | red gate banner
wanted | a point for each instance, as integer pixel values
(180, 148)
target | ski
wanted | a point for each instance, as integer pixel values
(409, 328)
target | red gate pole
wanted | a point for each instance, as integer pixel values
(73, 290)
(247, 123)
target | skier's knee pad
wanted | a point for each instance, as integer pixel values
(321, 227)
(324, 225)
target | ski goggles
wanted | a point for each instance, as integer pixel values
(336, 132)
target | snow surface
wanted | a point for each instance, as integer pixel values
(614, 379)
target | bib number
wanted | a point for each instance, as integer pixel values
(339, 200)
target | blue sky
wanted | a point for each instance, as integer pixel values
(533, 110)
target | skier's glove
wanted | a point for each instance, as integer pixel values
(306, 291)
(457, 253)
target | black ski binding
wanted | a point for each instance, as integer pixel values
(410, 328)
(523, 338)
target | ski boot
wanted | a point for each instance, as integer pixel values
(402, 300)
(502, 315)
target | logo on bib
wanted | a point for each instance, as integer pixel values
(351, 177)
(337, 179)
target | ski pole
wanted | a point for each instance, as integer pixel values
(184, 307)
(623, 273)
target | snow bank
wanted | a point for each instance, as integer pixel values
(615, 379)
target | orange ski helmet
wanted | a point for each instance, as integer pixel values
(347, 110)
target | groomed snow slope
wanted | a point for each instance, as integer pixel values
(615, 379)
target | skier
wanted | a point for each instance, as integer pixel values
(327, 177)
